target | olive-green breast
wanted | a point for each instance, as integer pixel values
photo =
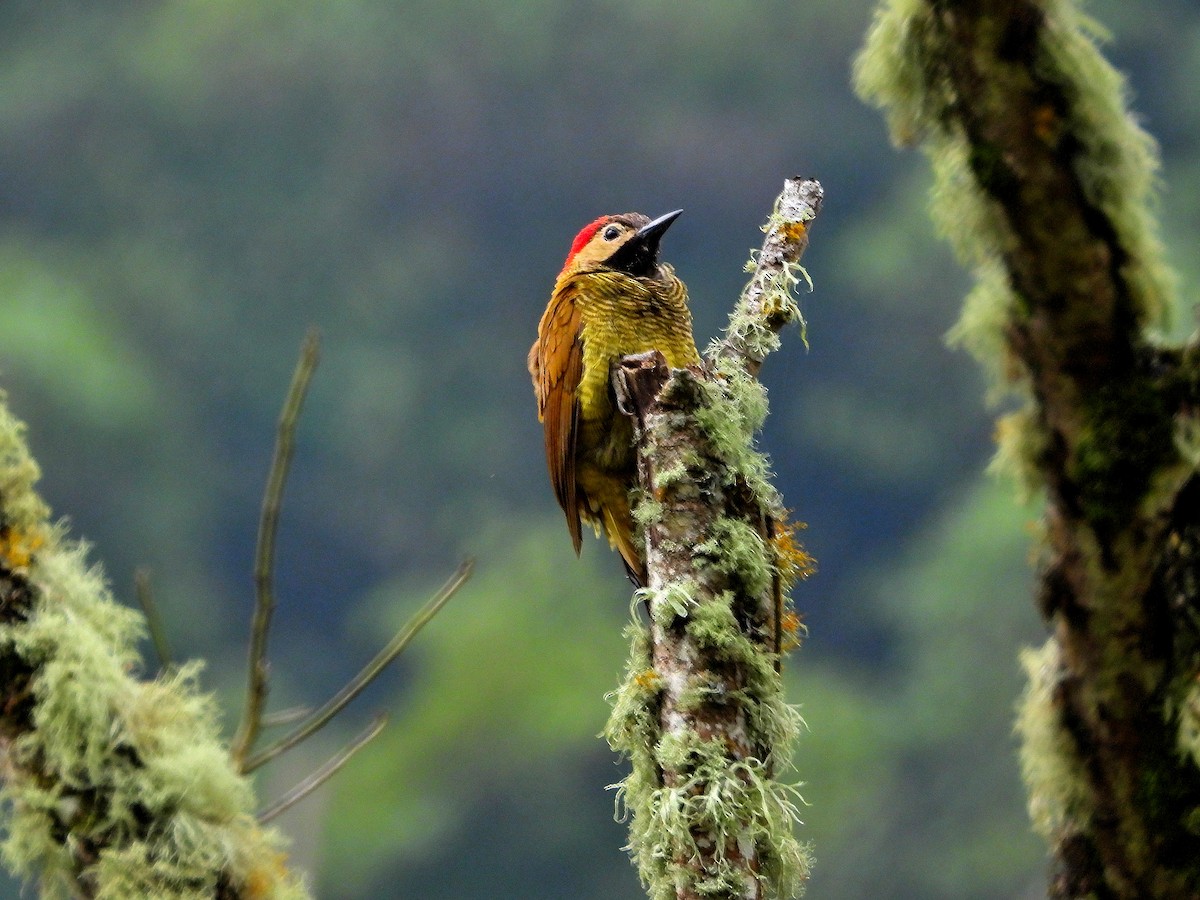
(620, 315)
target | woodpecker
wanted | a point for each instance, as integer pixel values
(612, 298)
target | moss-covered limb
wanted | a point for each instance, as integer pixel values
(112, 787)
(1042, 176)
(1043, 183)
(768, 303)
(701, 714)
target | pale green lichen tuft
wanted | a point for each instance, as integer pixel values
(671, 474)
(633, 728)
(20, 506)
(729, 802)
(734, 548)
(1118, 166)
(767, 303)
(1187, 439)
(731, 414)
(715, 630)
(972, 225)
(1188, 730)
(647, 510)
(673, 600)
(1058, 796)
(1021, 443)
(980, 327)
(751, 333)
(890, 72)
(638, 691)
(719, 795)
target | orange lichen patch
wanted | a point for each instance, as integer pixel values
(263, 880)
(791, 558)
(647, 680)
(18, 547)
(1045, 123)
(793, 231)
(792, 630)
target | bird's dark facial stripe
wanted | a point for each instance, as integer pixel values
(635, 257)
(638, 256)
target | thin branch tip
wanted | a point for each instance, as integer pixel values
(768, 301)
(330, 768)
(154, 622)
(264, 556)
(254, 718)
(372, 670)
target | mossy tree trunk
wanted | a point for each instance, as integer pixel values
(1043, 183)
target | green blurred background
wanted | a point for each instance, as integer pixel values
(186, 186)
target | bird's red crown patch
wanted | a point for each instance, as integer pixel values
(586, 234)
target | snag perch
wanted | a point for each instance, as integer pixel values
(701, 714)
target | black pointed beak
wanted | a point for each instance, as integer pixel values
(639, 255)
(652, 232)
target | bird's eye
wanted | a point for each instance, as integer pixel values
(611, 232)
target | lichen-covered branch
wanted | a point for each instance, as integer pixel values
(768, 302)
(1043, 184)
(113, 787)
(701, 714)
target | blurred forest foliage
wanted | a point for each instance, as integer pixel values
(185, 186)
